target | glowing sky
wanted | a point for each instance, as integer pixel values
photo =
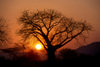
(79, 9)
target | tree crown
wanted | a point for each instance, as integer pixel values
(51, 28)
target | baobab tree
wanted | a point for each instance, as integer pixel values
(51, 28)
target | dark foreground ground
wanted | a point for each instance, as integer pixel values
(70, 58)
(80, 61)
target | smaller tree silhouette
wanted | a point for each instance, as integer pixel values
(69, 54)
(3, 32)
(51, 28)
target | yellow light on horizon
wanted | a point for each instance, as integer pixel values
(38, 46)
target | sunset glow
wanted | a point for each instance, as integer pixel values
(49, 33)
(38, 46)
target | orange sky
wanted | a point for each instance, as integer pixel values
(78, 9)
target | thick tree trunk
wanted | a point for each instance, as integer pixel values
(51, 55)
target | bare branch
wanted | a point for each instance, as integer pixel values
(57, 34)
(60, 45)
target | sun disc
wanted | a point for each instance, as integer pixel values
(38, 46)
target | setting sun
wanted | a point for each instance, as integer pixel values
(38, 46)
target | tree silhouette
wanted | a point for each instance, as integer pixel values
(69, 54)
(3, 32)
(51, 28)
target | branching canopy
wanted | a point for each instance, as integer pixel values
(51, 28)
